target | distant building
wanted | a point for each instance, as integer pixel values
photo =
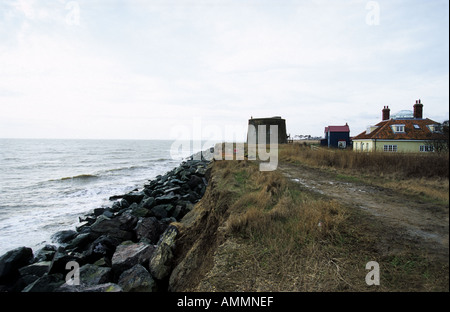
(253, 124)
(336, 136)
(405, 131)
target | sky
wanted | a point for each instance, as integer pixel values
(172, 69)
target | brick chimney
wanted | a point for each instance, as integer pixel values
(418, 109)
(386, 113)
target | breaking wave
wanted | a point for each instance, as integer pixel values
(80, 177)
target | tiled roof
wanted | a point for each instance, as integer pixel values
(412, 132)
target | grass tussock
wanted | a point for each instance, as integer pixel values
(298, 223)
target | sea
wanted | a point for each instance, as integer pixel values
(47, 184)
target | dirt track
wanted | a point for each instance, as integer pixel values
(405, 221)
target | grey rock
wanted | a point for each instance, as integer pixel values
(137, 279)
(176, 212)
(165, 199)
(108, 213)
(46, 283)
(160, 263)
(91, 274)
(79, 242)
(63, 237)
(103, 247)
(150, 228)
(14, 259)
(38, 269)
(46, 253)
(119, 227)
(149, 202)
(177, 181)
(194, 181)
(60, 260)
(140, 212)
(127, 222)
(98, 211)
(160, 211)
(200, 171)
(128, 255)
(134, 197)
(172, 189)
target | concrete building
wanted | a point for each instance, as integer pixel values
(254, 123)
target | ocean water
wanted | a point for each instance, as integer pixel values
(45, 185)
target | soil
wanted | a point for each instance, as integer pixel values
(403, 221)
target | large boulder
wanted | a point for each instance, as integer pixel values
(120, 227)
(129, 254)
(14, 259)
(46, 253)
(46, 283)
(60, 260)
(137, 279)
(37, 269)
(80, 242)
(103, 247)
(134, 197)
(150, 228)
(91, 274)
(194, 181)
(64, 236)
(166, 199)
(161, 261)
(149, 202)
(139, 211)
(161, 211)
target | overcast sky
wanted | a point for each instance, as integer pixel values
(201, 68)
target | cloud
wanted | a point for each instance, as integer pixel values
(136, 69)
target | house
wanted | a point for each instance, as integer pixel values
(253, 128)
(405, 131)
(336, 136)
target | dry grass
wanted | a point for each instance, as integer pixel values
(257, 231)
(428, 189)
(423, 175)
(285, 237)
(405, 165)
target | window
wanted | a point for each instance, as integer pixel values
(416, 127)
(427, 148)
(390, 148)
(435, 128)
(398, 128)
